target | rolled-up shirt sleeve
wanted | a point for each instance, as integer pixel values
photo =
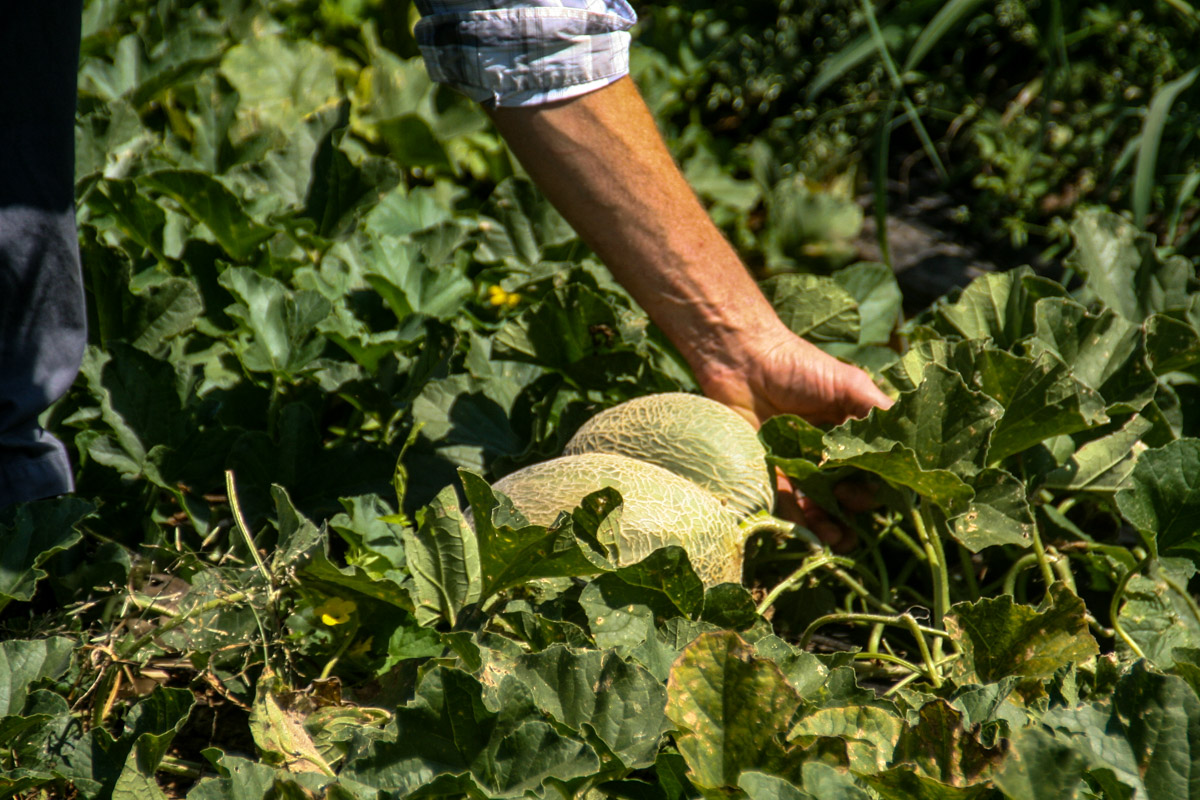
(525, 54)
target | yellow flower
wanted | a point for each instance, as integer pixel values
(497, 296)
(336, 611)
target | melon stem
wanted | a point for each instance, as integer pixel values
(766, 523)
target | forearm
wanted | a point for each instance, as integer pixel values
(600, 160)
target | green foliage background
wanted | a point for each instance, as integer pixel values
(321, 294)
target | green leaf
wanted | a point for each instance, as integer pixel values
(624, 615)
(165, 310)
(278, 729)
(827, 783)
(30, 535)
(469, 419)
(152, 726)
(943, 749)
(730, 709)
(1104, 464)
(279, 82)
(25, 662)
(880, 303)
(869, 733)
(447, 729)
(761, 786)
(1041, 398)
(239, 779)
(411, 142)
(207, 200)
(575, 330)
(793, 444)
(1001, 638)
(730, 606)
(301, 549)
(334, 189)
(945, 20)
(807, 222)
(668, 571)
(1121, 268)
(1158, 613)
(140, 402)
(116, 203)
(904, 783)
(1040, 766)
(525, 225)
(1105, 352)
(814, 306)
(622, 704)
(943, 422)
(278, 326)
(409, 284)
(443, 557)
(998, 306)
(513, 552)
(933, 440)
(1172, 343)
(404, 211)
(999, 513)
(1149, 737)
(1162, 499)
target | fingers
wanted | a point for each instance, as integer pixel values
(794, 506)
(856, 496)
(861, 394)
(840, 539)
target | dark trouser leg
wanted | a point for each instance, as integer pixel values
(41, 341)
(42, 332)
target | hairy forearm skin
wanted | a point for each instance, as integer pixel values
(601, 162)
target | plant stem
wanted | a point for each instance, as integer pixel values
(1187, 598)
(934, 676)
(907, 621)
(347, 638)
(899, 620)
(240, 521)
(890, 659)
(1062, 568)
(1113, 607)
(1010, 578)
(862, 592)
(229, 600)
(930, 538)
(904, 539)
(905, 681)
(968, 565)
(787, 584)
(1044, 563)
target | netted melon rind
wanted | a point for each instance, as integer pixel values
(660, 509)
(697, 438)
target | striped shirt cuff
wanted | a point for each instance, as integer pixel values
(527, 56)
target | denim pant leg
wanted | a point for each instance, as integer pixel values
(42, 319)
(42, 338)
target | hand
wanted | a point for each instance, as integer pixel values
(787, 375)
(784, 374)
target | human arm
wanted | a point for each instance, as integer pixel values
(601, 162)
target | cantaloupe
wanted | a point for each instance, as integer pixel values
(660, 509)
(697, 438)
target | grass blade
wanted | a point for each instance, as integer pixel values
(1185, 193)
(1152, 131)
(898, 90)
(946, 18)
(850, 57)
